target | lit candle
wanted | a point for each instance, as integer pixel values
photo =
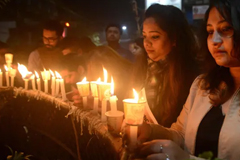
(104, 93)
(33, 82)
(61, 83)
(12, 75)
(57, 82)
(0, 78)
(38, 81)
(83, 89)
(134, 110)
(134, 113)
(24, 72)
(63, 89)
(46, 77)
(53, 83)
(7, 76)
(113, 98)
(94, 92)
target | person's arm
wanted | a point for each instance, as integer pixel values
(177, 131)
(32, 61)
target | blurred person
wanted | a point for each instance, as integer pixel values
(113, 35)
(209, 120)
(3, 49)
(47, 55)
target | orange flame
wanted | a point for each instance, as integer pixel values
(58, 75)
(36, 74)
(112, 86)
(136, 97)
(105, 73)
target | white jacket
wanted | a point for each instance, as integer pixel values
(184, 131)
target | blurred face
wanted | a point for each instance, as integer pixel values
(70, 77)
(156, 41)
(50, 38)
(113, 34)
(220, 39)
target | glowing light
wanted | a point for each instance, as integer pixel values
(112, 86)
(136, 97)
(67, 24)
(105, 73)
(58, 75)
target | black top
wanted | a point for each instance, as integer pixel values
(208, 132)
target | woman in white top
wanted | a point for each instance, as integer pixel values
(210, 119)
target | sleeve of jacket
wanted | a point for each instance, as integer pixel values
(32, 60)
(177, 131)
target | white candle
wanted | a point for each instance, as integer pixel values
(113, 103)
(38, 81)
(0, 78)
(95, 105)
(7, 76)
(26, 83)
(33, 82)
(113, 98)
(63, 89)
(57, 87)
(45, 85)
(133, 136)
(12, 73)
(53, 84)
(104, 109)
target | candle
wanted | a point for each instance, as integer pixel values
(94, 93)
(12, 75)
(8, 59)
(38, 81)
(0, 78)
(33, 82)
(57, 82)
(53, 85)
(133, 136)
(26, 83)
(113, 98)
(61, 83)
(46, 77)
(104, 109)
(83, 89)
(134, 110)
(7, 76)
(63, 89)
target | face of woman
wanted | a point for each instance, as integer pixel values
(156, 41)
(220, 39)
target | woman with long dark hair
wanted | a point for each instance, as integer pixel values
(210, 119)
(168, 67)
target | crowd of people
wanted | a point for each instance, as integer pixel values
(191, 81)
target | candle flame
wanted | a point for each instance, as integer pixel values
(36, 74)
(23, 70)
(6, 68)
(112, 86)
(84, 79)
(99, 79)
(136, 98)
(58, 75)
(105, 73)
(52, 73)
(0, 70)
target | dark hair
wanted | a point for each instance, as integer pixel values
(181, 60)
(114, 25)
(86, 44)
(71, 62)
(217, 75)
(54, 25)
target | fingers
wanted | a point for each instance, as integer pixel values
(153, 147)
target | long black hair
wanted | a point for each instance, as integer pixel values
(218, 80)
